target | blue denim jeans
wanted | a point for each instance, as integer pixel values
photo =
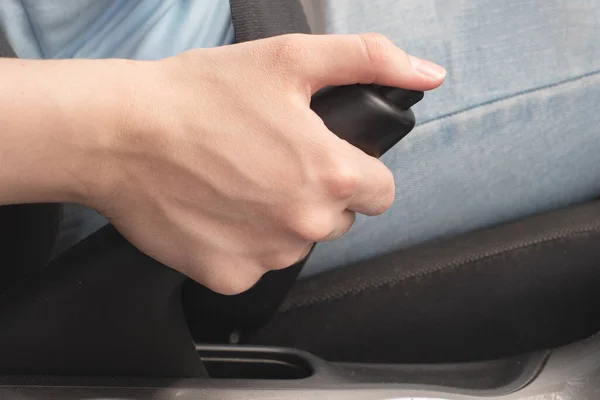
(514, 131)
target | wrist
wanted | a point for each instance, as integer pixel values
(96, 116)
(59, 121)
(104, 116)
(126, 124)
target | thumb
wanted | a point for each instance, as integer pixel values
(334, 60)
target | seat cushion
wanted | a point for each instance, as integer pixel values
(514, 288)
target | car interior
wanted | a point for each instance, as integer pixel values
(482, 314)
(479, 313)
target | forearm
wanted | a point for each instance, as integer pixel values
(57, 118)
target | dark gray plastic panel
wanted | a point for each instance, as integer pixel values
(569, 373)
(286, 373)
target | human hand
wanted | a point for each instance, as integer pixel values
(223, 172)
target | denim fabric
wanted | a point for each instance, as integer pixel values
(514, 131)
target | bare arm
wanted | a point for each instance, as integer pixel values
(56, 119)
(212, 161)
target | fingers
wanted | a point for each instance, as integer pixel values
(375, 188)
(333, 60)
(305, 253)
(357, 181)
(345, 222)
(286, 258)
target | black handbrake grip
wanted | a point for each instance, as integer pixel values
(371, 117)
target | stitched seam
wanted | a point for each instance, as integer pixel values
(396, 280)
(510, 96)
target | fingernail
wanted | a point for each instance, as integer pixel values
(427, 68)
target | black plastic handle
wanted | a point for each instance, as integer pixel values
(370, 117)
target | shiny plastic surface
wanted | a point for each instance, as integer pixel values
(370, 117)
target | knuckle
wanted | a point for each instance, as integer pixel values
(386, 195)
(376, 47)
(310, 226)
(284, 260)
(226, 275)
(386, 202)
(237, 287)
(344, 227)
(341, 181)
(242, 282)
